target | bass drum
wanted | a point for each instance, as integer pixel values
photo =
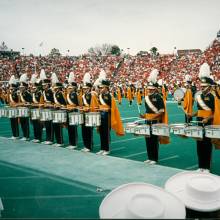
(178, 94)
(197, 94)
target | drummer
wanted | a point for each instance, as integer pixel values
(110, 117)
(72, 104)
(25, 99)
(207, 114)
(155, 113)
(89, 104)
(37, 96)
(59, 103)
(13, 101)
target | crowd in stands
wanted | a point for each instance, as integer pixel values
(123, 69)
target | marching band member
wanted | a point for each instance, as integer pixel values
(110, 117)
(188, 99)
(37, 96)
(72, 103)
(25, 98)
(48, 103)
(208, 113)
(89, 103)
(155, 113)
(129, 94)
(13, 101)
(59, 102)
(119, 94)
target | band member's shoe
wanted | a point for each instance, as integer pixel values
(85, 150)
(47, 142)
(152, 162)
(35, 141)
(12, 138)
(24, 139)
(147, 161)
(71, 147)
(105, 153)
(100, 152)
(57, 145)
(203, 170)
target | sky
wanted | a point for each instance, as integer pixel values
(77, 25)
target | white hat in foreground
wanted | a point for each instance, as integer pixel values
(199, 191)
(141, 200)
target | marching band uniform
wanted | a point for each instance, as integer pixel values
(209, 113)
(72, 102)
(25, 98)
(37, 125)
(155, 113)
(13, 99)
(48, 100)
(110, 118)
(59, 100)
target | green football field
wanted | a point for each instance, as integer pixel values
(38, 181)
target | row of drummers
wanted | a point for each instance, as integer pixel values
(92, 119)
(181, 129)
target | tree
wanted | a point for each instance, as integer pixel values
(3, 47)
(55, 53)
(104, 50)
(154, 52)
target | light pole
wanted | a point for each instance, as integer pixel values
(128, 50)
(23, 50)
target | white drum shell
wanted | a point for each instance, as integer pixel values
(142, 130)
(130, 127)
(212, 131)
(92, 119)
(3, 112)
(46, 115)
(194, 131)
(59, 116)
(12, 112)
(160, 130)
(23, 112)
(75, 118)
(178, 129)
(35, 113)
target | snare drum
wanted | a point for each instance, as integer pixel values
(59, 116)
(194, 132)
(160, 130)
(35, 113)
(75, 118)
(3, 112)
(178, 129)
(212, 131)
(11, 112)
(23, 112)
(142, 130)
(92, 119)
(130, 127)
(46, 115)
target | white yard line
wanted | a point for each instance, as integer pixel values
(191, 167)
(168, 158)
(132, 155)
(128, 118)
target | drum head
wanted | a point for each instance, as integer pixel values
(178, 94)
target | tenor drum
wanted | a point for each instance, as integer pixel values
(212, 131)
(23, 112)
(12, 112)
(130, 127)
(75, 118)
(178, 129)
(46, 115)
(194, 131)
(92, 119)
(142, 130)
(35, 113)
(59, 116)
(3, 112)
(160, 130)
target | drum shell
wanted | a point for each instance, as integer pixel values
(46, 115)
(142, 130)
(212, 131)
(3, 112)
(35, 114)
(194, 132)
(160, 130)
(59, 116)
(23, 112)
(92, 119)
(130, 127)
(178, 129)
(75, 118)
